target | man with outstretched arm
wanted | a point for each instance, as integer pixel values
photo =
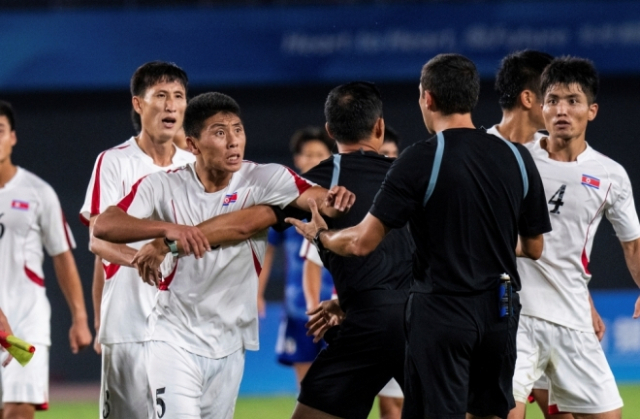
(467, 197)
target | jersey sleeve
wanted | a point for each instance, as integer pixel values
(275, 238)
(104, 187)
(534, 213)
(55, 232)
(309, 252)
(622, 212)
(279, 185)
(141, 200)
(403, 188)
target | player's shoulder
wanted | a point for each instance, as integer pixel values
(122, 151)
(40, 188)
(183, 157)
(615, 170)
(257, 171)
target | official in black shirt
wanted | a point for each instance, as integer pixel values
(368, 348)
(468, 197)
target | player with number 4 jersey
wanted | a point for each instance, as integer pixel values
(555, 334)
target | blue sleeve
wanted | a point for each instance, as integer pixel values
(275, 238)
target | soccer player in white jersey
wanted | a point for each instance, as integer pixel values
(555, 334)
(122, 301)
(30, 218)
(205, 315)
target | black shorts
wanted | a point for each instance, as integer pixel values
(365, 353)
(460, 356)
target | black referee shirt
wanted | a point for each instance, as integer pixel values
(389, 267)
(466, 234)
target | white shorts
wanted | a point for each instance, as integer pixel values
(392, 389)
(28, 384)
(124, 387)
(185, 385)
(580, 379)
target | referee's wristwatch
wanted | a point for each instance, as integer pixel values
(173, 246)
(317, 242)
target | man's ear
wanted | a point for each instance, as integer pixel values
(430, 101)
(192, 145)
(593, 111)
(378, 128)
(326, 127)
(135, 101)
(527, 99)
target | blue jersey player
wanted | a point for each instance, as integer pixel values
(309, 147)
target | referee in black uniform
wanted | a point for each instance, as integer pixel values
(368, 348)
(467, 195)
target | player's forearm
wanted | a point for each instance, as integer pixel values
(632, 257)
(359, 240)
(311, 284)
(96, 290)
(116, 226)
(69, 281)
(120, 254)
(238, 225)
(530, 247)
(267, 263)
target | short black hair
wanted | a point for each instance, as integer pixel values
(352, 111)
(7, 110)
(155, 72)
(571, 70)
(204, 106)
(520, 71)
(304, 135)
(453, 81)
(391, 136)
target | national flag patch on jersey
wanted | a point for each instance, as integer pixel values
(230, 199)
(19, 205)
(590, 181)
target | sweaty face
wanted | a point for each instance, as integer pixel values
(567, 111)
(389, 149)
(7, 139)
(221, 144)
(162, 109)
(312, 153)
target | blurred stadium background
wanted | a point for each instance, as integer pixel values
(65, 65)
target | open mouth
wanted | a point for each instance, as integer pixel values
(234, 158)
(168, 122)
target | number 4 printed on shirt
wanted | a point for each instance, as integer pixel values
(556, 200)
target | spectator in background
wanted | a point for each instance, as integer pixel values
(309, 146)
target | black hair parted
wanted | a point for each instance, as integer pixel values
(204, 106)
(569, 70)
(154, 72)
(520, 71)
(304, 135)
(453, 81)
(352, 110)
(7, 110)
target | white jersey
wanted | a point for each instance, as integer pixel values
(126, 300)
(579, 193)
(30, 218)
(309, 252)
(209, 306)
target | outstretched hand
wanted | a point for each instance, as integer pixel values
(148, 260)
(310, 229)
(322, 318)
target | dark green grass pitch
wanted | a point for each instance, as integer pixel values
(282, 406)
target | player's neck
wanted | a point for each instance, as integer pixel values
(516, 127)
(565, 150)
(364, 145)
(7, 171)
(212, 180)
(456, 120)
(159, 150)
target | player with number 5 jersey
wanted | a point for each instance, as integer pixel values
(205, 315)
